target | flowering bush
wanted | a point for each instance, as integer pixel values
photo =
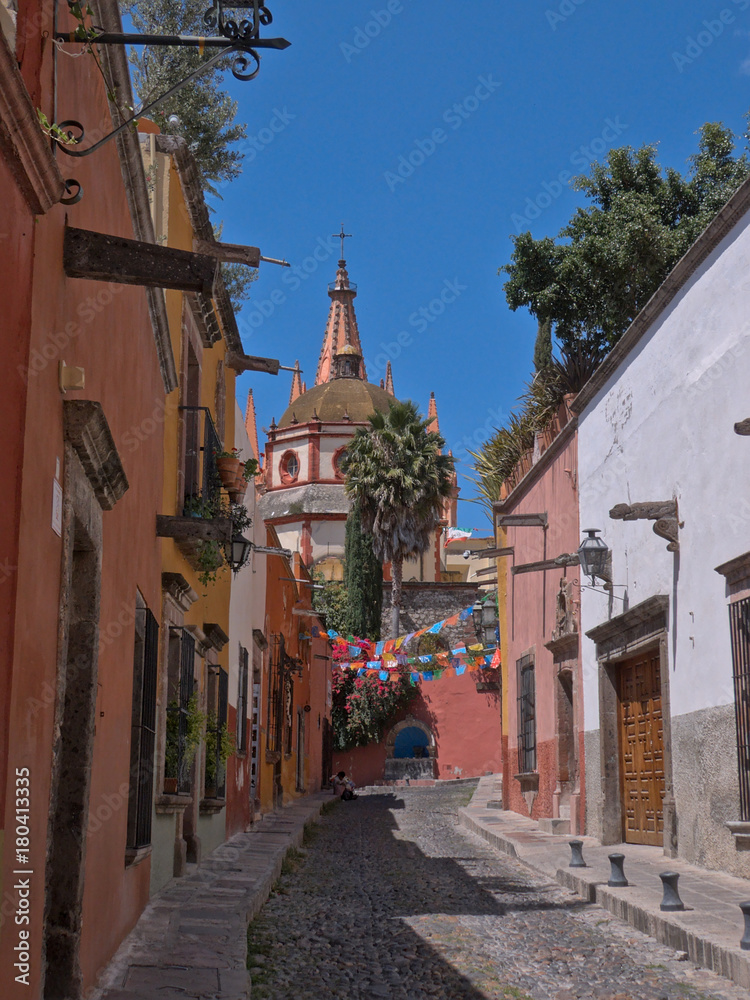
(363, 706)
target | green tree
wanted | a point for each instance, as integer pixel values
(543, 346)
(396, 472)
(332, 603)
(205, 113)
(363, 579)
(593, 279)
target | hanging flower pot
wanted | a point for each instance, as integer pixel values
(240, 484)
(228, 468)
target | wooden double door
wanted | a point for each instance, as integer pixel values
(641, 749)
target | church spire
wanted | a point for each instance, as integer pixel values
(341, 328)
(297, 389)
(432, 415)
(389, 379)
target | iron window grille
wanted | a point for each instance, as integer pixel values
(242, 701)
(739, 622)
(280, 693)
(143, 729)
(216, 769)
(181, 684)
(526, 715)
(202, 481)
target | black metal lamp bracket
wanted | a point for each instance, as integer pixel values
(238, 37)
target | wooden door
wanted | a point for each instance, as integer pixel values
(641, 749)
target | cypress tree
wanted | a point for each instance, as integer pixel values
(363, 579)
(543, 346)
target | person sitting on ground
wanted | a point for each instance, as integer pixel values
(343, 786)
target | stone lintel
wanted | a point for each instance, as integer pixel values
(215, 635)
(736, 570)
(87, 431)
(177, 587)
(651, 613)
(563, 646)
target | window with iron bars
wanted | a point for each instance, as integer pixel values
(216, 770)
(242, 701)
(280, 694)
(201, 476)
(739, 623)
(180, 684)
(143, 727)
(526, 715)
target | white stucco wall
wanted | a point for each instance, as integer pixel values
(662, 428)
(328, 539)
(328, 448)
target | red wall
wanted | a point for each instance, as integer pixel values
(106, 330)
(465, 723)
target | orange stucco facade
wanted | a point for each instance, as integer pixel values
(105, 329)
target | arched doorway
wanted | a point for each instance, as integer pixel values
(410, 751)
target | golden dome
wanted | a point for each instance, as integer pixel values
(348, 349)
(333, 401)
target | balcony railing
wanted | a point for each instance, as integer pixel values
(202, 482)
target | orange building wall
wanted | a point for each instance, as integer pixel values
(105, 329)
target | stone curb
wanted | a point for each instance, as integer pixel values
(701, 947)
(191, 939)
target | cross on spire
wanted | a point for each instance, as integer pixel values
(342, 236)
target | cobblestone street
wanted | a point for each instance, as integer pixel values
(390, 898)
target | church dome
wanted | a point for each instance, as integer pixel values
(335, 400)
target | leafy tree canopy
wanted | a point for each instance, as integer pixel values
(332, 603)
(598, 273)
(205, 113)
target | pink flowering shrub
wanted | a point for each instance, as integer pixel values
(364, 706)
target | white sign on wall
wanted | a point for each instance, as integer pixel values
(57, 504)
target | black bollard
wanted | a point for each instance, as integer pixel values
(576, 852)
(671, 899)
(617, 875)
(745, 942)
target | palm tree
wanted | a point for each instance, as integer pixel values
(396, 472)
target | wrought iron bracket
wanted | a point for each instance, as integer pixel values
(239, 37)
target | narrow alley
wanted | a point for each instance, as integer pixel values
(391, 898)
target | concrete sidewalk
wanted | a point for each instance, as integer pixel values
(191, 940)
(708, 930)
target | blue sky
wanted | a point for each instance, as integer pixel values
(483, 106)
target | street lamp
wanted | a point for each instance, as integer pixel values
(592, 554)
(239, 552)
(484, 618)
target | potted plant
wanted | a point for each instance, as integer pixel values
(176, 769)
(249, 469)
(228, 465)
(225, 746)
(209, 559)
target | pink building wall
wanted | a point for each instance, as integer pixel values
(531, 604)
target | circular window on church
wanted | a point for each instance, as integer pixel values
(338, 458)
(289, 467)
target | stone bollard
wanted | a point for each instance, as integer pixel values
(576, 851)
(745, 942)
(617, 875)
(671, 899)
